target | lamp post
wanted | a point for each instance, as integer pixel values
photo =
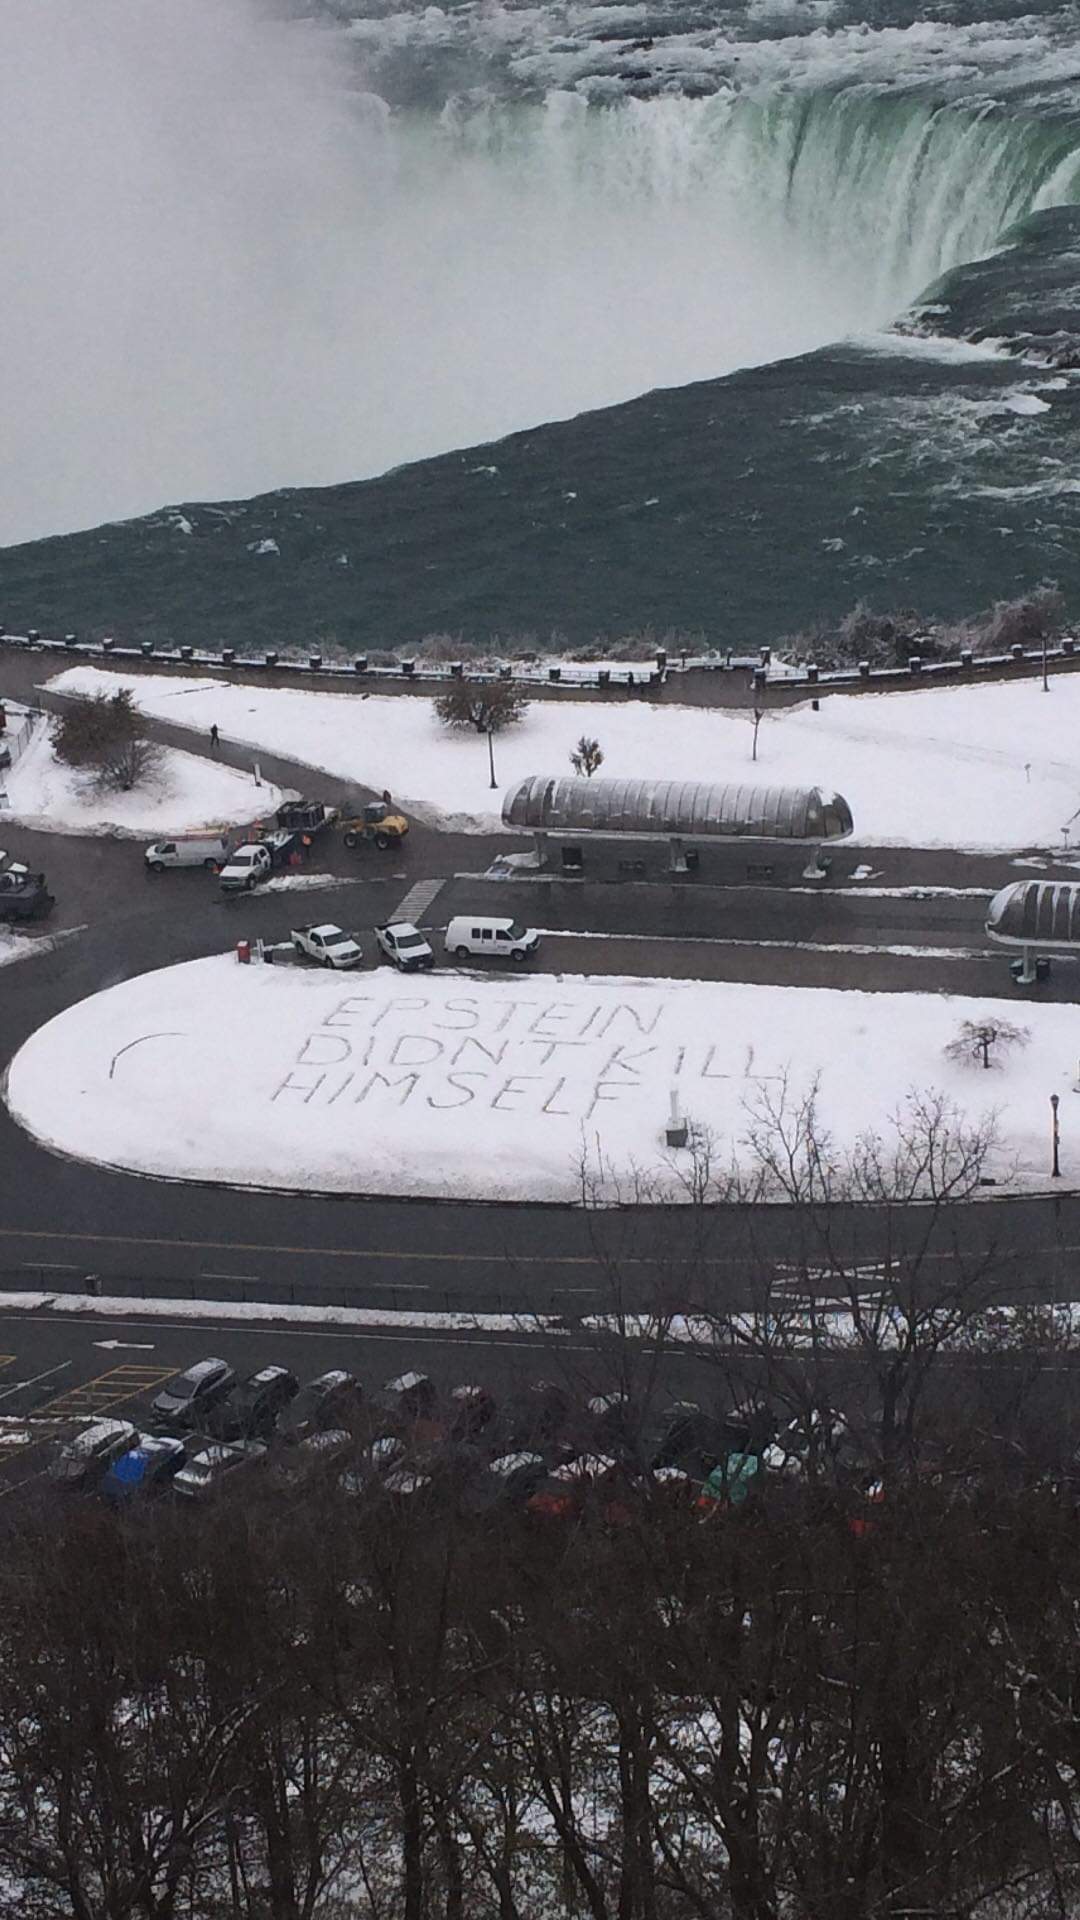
(1055, 1134)
(491, 755)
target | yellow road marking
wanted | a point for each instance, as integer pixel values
(110, 1389)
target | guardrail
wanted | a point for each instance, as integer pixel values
(253, 1291)
(563, 676)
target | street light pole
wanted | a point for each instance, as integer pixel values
(1055, 1170)
(491, 756)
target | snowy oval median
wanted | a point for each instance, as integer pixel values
(463, 1087)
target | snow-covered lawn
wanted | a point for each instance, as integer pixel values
(188, 793)
(454, 1084)
(988, 767)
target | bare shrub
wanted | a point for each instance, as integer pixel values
(1026, 621)
(490, 707)
(978, 1042)
(587, 757)
(446, 646)
(103, 736)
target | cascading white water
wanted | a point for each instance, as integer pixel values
(259, 280)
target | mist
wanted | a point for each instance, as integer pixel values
(228, 268)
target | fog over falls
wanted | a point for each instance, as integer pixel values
(228, 267)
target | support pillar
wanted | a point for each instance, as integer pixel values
(818, 865)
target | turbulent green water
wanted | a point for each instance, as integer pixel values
(702, 188)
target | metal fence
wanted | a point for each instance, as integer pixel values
(664, 669)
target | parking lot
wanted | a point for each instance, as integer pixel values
(58, 1371)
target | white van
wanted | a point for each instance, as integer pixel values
(188, 850)
(477, 934)
(245, 867)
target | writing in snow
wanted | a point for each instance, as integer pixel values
(562, 1058)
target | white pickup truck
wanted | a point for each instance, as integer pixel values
(245, 867)
(402, 944)
(327, 946)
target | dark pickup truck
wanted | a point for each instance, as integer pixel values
(24, 896)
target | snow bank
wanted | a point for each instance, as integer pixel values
(979, 767)
(189, 793)
(457, 1085)
(21, 946)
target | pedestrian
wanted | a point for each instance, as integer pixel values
(387, 802)
(214, 739)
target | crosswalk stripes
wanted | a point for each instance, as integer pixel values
(418, 900)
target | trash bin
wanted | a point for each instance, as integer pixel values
(243, 952)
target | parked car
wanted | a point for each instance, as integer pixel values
(149, 1467)
(407, 1483)
(328, 1401)
(322, 1452)
(812, 1439)
(206, 1471)
(402, 944)
(210, 850)
(385, 1452)
(186, 1400)
(749, 1427)
(24, 896)
(566, 1488)
(377, 826)
(508, 1481)
(731, 1481)
(613, 1422)
(477, 936)
(245, 867)
(680, 1434)
(412, 1396)
(327, 946)
(252, 1407)
(471, 1409)
(536, 1415)
(88, 1456)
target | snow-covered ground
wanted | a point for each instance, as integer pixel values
(187, 793)
(22, 946)
(454, 1084)
(980, 767)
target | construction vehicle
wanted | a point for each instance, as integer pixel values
(305, 816)
(377, 826)
(23, 895)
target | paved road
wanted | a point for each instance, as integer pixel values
(59, 1220)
